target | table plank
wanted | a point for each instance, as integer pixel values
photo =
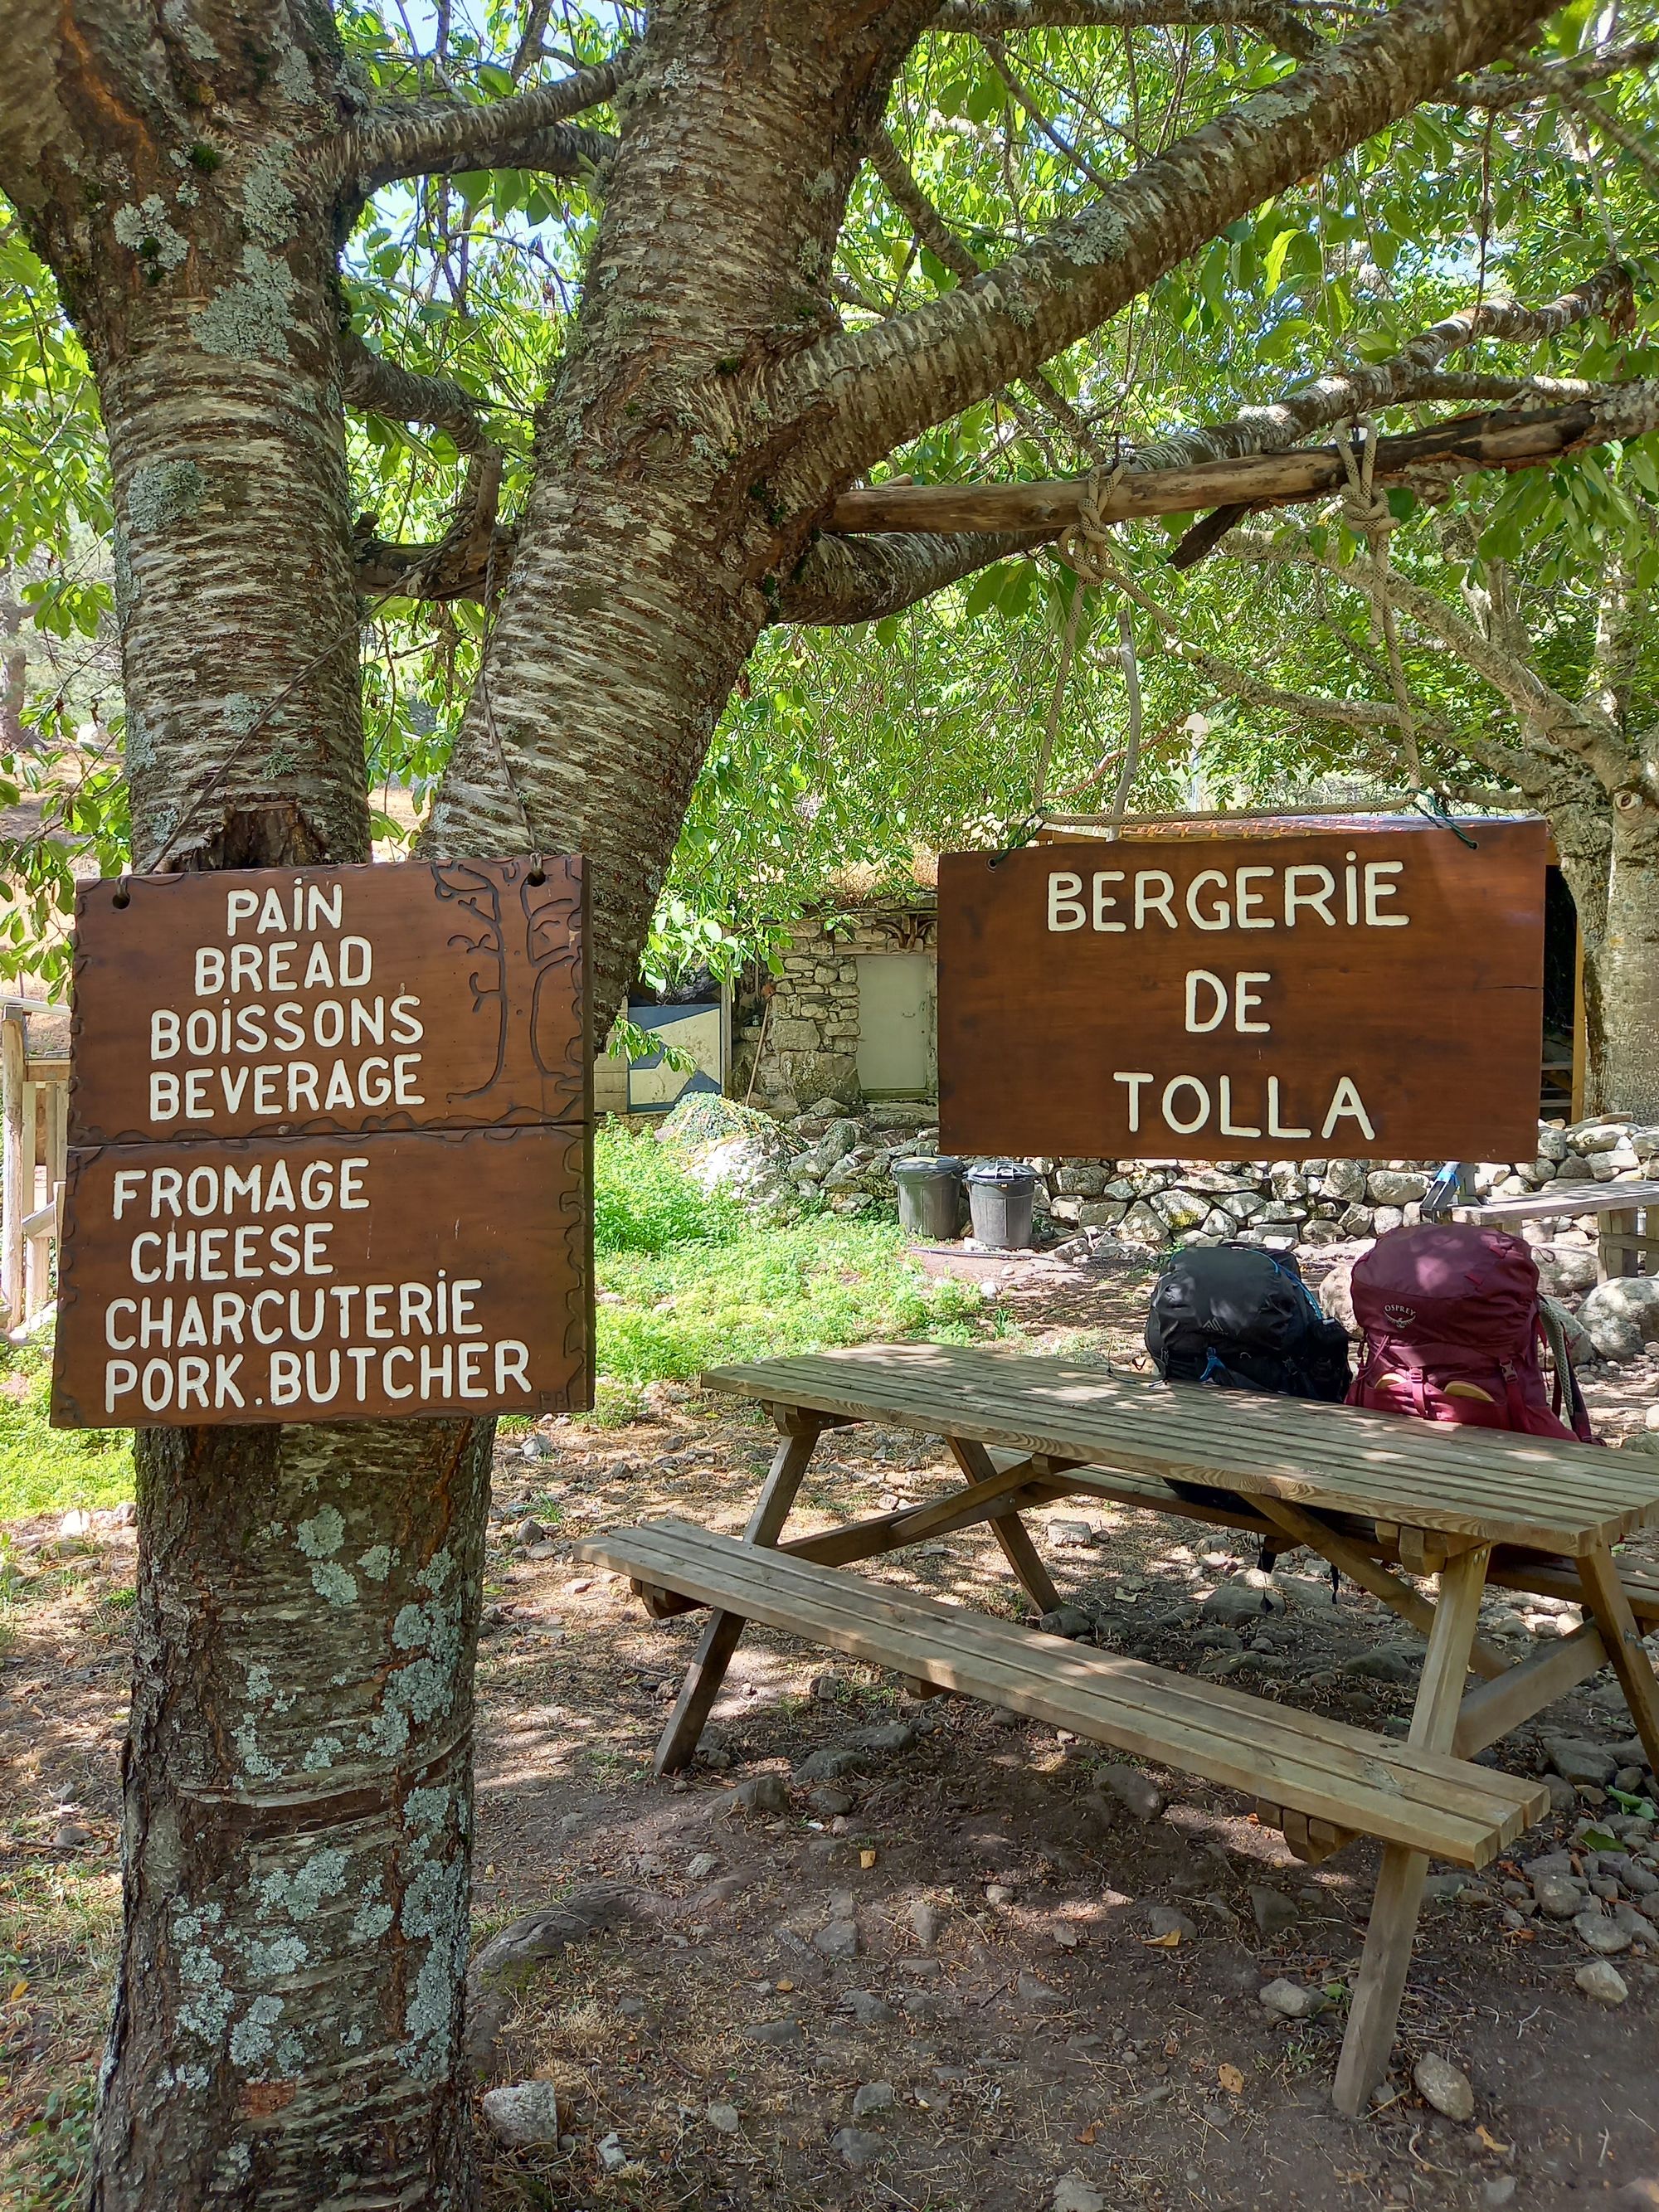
(1586, 1198)
(1539, 1493)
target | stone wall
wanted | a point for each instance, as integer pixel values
(810, 1049)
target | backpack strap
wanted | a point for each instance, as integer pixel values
(1551, 1330)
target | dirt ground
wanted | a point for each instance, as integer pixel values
(963, 1923)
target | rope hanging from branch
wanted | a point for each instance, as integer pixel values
(1368, 514)
(1082, 547)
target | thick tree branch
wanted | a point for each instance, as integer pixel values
(854, 580)
(1526, 87)
(1340, 397)
(527, 131)
(1282, 25)
(375, 386)
(930, 229)
(881, 385)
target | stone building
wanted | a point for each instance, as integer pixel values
(853, 1014)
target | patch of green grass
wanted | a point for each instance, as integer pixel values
(46, 1470)
(767, 1292)
(644, 1200)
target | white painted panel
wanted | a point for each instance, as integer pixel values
(898, 1026)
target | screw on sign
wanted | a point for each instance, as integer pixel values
(1373, 992)
(329, 1155)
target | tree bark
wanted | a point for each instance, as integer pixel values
(1622, 973)
(296, 1845)
(646, 558)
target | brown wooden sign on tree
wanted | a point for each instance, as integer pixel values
(329, 1140)
(1367, 992)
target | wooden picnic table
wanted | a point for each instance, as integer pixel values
(1626, 1240)
(1370, 1492)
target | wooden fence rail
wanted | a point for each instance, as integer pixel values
(34, 1108)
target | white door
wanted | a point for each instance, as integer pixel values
(898, 1028)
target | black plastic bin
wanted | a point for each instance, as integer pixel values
(929, 1197)
(999, 1198)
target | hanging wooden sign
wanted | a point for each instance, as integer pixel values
(1369, 994)
(273, 1002)
(330, 1137)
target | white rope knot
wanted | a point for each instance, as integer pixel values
(1083, 544)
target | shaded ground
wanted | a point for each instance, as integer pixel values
(995, 1962)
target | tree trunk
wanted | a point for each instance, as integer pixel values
(299, 1808)
(655, 542)
(298, 1776)
(1622, 973)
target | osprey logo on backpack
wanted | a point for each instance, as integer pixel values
(1402, 1316)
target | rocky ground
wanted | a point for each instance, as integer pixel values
(872, 1954)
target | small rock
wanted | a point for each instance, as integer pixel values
(838, 1940)
(834, 1803)
(1000, 1892)
(70, 1836)
(723, 2118)
(1640, 2195)
(1289, 2000)
(777, 2032)
(873, 2097)
(612, 2155)
(1579, 1759)
(1165, 1920)
(1602, 1982)
(1066, 1620)
(867, 2007)
(1073, 2194)
(1235, 1604)
(1559, 1895)
(762, 1793)
(829, 1765)
(1070, 1533)
(76, 1524)
(857, 2147)
(535, 1447)
(1132, 1789)
(527, 2112)
(1274, 1912)
(530, 1532)
(1384, 1666)
(923, 1920)
(1497, 2192)
(1562, 1797)
(1443, 2086)
(701, 1866)
(826, 1688)
(1605, 1937)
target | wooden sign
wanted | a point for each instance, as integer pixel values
(330, 1137)
(1374, 994)
(270, 1002)
(324, 1279)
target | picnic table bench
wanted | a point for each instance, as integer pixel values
(1626, 1239)
(1369, 1492)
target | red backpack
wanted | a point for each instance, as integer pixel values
(1452, 1322)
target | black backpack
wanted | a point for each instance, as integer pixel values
(1243, 1317)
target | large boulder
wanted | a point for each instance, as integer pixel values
(733, 1149)
(1564, 1269)
(1621, 1314)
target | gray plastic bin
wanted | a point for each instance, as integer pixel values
(999, 1198)
(929, 1197)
